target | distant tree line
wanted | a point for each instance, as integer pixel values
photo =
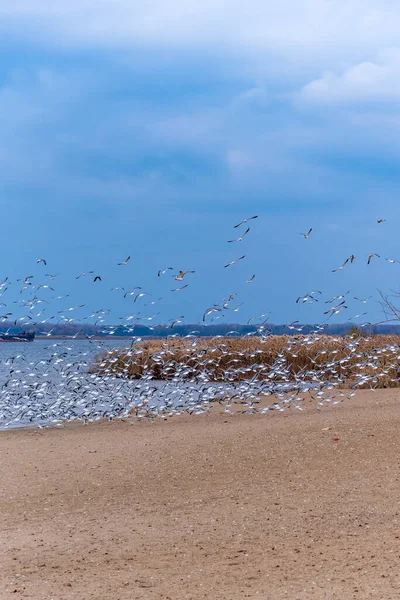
(223, 329)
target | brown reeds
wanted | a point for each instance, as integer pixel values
(348, 359)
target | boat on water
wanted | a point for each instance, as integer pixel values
(24, 336)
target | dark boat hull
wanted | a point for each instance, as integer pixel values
(17, 337)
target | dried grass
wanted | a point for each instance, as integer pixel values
(344, 359)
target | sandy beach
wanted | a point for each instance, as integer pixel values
(290, 505)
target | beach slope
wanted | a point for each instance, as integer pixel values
(292, 505)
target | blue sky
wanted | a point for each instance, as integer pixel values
(151, 130)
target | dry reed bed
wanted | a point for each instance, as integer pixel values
(344, 359)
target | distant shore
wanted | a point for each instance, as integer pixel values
(291, 505)
(81, 338)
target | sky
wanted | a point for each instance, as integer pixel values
(151, 129)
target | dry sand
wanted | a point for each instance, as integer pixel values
(218, 507)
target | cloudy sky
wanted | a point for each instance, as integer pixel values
(150, 129)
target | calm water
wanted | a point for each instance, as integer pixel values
(45, 382)
(80, 350)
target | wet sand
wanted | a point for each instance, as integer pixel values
(290, 505)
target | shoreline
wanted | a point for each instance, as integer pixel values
(299, 504)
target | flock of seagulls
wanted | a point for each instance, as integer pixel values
(49, 382)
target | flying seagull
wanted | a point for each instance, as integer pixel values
(140, 295)
(309, 296)
(245, 221)
(163, 271)
(306, 235)
(239, 239)
(179, 289)
(211, 310)
(251, 279)
(336, 309)
(125, 262)
(371, 256)
(182, 274)
(392, 260)
(132, 291)
(41, 260)
(350, 258)
(337, 297)
(5, 317)
(97, 278)
(357, 316)
(235, 261)
(380, 220)
(176, 321)
(341, 266)
(153, 302)
(44, 286)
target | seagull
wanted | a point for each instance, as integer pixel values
(51, 276)
(245, 221)
(251, 279)
(341, 266)
(337, 297)
(351, 259)
(45, 287)
(306, 235)
(335, 309)
(309, 296)
(178, 320)
(380, 220)
(228, 299)
(371, 256)
(392, 260)
(357, 316)
(132, 291)
(125, 262)
(83, 274)
(234, 261)
(292, 326)
(163, 271)
(182, 274)
(21, 319)
(41, 260)
(211, 310)
(179, 289)
(153, 302)
(140, 295)
(259, 317)
(364, 301)
(97, 278)
(237, 307)
(239, 239)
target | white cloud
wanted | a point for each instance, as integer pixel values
(35, 108)
(56, 128)
(309, 32)
(238, 159)
(186, 129)
(368, 81)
